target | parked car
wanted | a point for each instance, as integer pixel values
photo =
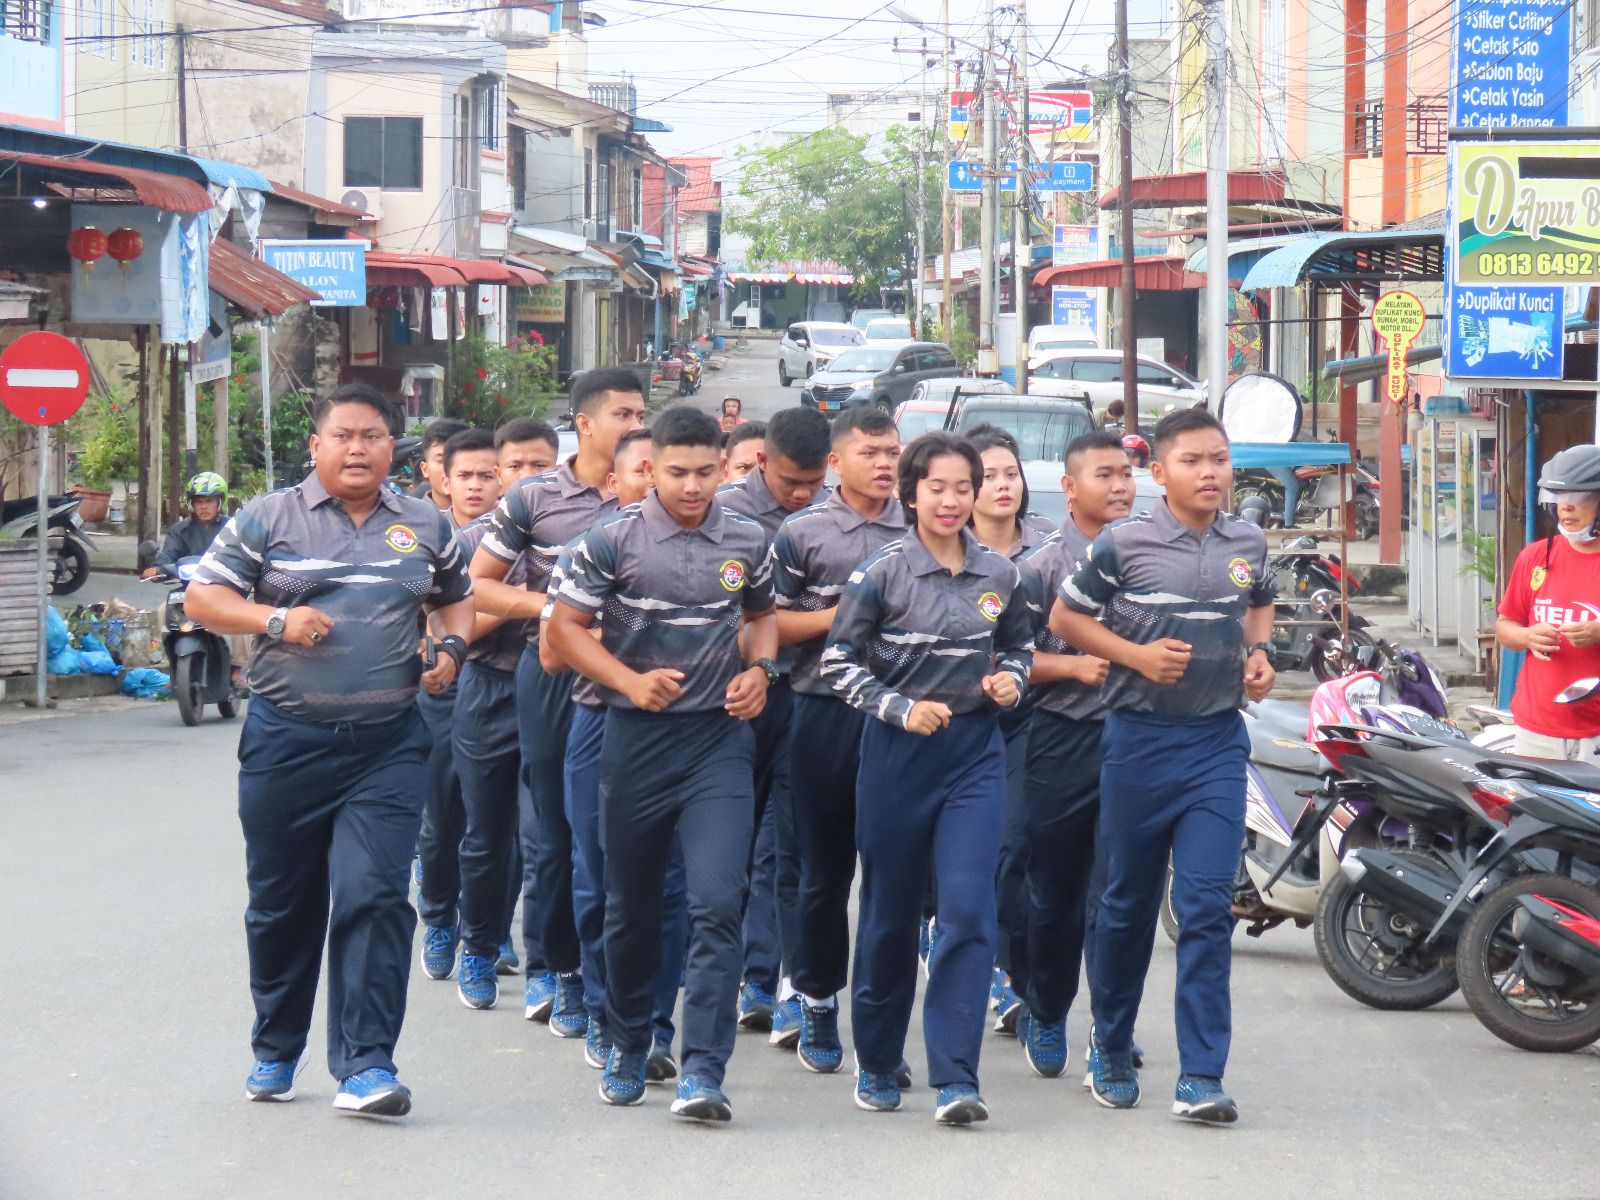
(888, 329)
(1096, 375)
(809, 346)
(930, 401)
(862, 317)
(1046, 498)
(883, 374)
(1045, 340)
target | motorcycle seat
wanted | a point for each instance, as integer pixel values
(1277, 737)
(1581, 775)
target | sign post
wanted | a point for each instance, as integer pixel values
(43, 381)
(1397, 318)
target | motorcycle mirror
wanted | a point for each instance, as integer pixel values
(1582, 689)
(147, 549)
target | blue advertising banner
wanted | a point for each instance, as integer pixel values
(1511, 69)
(1075, 306)
(336, 270)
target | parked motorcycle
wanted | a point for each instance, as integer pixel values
(1319, 496)
(200, 661)
(68, 539)
(1307, 630)
(689, 374)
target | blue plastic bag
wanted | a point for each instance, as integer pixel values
(56, 637)
(65, 661)
(146, 683)
(90, 644)
(97, 662)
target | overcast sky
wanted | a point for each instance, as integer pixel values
(724, 72)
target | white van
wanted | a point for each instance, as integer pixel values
(1044, 340)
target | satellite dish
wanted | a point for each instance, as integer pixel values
(1260, 407)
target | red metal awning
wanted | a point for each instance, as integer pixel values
(1151, 273)
(339, 214)
(410, 270)
(527, 275)
(1188, 190)
(171, 193)
(252, 286)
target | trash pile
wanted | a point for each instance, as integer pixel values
(107, 639)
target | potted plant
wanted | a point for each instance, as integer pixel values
(110, 452)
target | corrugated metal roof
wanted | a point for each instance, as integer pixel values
(1353, 257)
(320, 204)
(1151, 273)
(251, 285)
(124, 154)
(1188, 190)
(171, 193)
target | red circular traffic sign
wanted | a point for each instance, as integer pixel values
(43, 378)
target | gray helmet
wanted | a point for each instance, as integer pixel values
(1575, 469)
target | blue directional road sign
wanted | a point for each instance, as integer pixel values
(1058, 177)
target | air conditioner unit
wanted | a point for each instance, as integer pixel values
(368, 200)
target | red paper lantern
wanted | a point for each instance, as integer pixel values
(87, 245)
(125, 245)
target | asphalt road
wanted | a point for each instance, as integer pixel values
(127, 1022)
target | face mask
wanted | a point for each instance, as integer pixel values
(1579, 537)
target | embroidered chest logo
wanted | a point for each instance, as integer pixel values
(401, 538)
(1536, 580)
(991, 606)
(1239, 572)
(731, 573)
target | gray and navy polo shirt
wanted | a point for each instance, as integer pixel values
(501, 647)
(1153, 577)
(672, 597)
(585, 691)
(753, 498)
(1044, 567)
(813, 555)
(909, 630)
(299, 546)
(536, 518)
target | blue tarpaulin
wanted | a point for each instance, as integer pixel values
(1265, 455)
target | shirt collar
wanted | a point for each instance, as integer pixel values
(662, 526)
(922, 561)
(1172, 529)
(567, 479)
(848, 519)
(316, 495)
(755, 483)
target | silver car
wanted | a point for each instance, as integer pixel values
(1096, 376)
(809, 346)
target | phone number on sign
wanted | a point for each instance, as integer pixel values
(1571, 262)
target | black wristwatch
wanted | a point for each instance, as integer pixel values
(455, 647)
(768, 668)
(1265, 647)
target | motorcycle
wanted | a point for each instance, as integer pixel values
(68, 539)
(689, 374)
(1308, 628)
(1282, 875)
(200, 661)
(1319, 496)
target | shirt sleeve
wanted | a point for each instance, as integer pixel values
(236, 557)
(756, 596)
(451, 583)
(558, 576)
(172, 548)
(1014, 633)
(1033, 593)
(1517, 604)
(788, 569)
(510, 527)
(844, 659)
(1089, 586)
(591, 572)
(1264, 588)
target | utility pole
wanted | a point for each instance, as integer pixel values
(1130, 345)
(988, 359)
(1021, 241)
(183, 87)
(947, 320)
(1216, 33)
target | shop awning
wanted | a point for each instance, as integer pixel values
(70, 176)
(123, 154)
(1372, 257)
(1151, 273)
(400, 270)
(250, 285)
(1243, 253)
(1188, 190)
(331, 212)
(437, 270)
(526, 276)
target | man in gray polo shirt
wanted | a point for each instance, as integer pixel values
(331, 757)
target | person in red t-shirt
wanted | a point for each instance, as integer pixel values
(1551, 609)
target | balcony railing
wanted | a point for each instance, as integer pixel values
(1427, 126)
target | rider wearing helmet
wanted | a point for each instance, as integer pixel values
(1138, 449)
(191, 537)
(1551, 610)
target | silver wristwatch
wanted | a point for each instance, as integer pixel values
(276, 622)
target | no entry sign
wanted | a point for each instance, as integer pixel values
(43, 378)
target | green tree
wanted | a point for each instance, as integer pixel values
(832, 195)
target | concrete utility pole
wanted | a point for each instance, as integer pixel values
(922, 193)
(1130, 345)
(988, 359)
(1216, 33)
(1021, 241)
(947, 319)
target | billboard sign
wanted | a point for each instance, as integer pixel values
(336, 269)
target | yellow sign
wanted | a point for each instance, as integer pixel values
(1527, 213)
(1397, 318)
(543, 305)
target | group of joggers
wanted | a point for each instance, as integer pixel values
(691, 704)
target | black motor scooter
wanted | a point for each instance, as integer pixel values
(69, 540)
(201, 664)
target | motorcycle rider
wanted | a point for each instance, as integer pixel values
(1551, 609)
(191, 537)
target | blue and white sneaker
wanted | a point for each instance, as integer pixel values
(997, 983)
(1008, 1007)
(927, 939)
(662, 1067)
(416, 870)
(507, 962)
(272, 1080)
(755, 1008)
(1201, 1098)
(439, 945)
(959, 1104)
(477, 984)
(373, 1093)
(877, 1092)
(786, 1023)
(622, 1083)
(539, 997)
(902, 1075)
(596, 1045)
(1044, 1045)
(820, 1050)
(1112, 1078)
(569, 1018)
(701, 1100)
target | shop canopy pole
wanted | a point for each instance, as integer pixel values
(266, 401)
